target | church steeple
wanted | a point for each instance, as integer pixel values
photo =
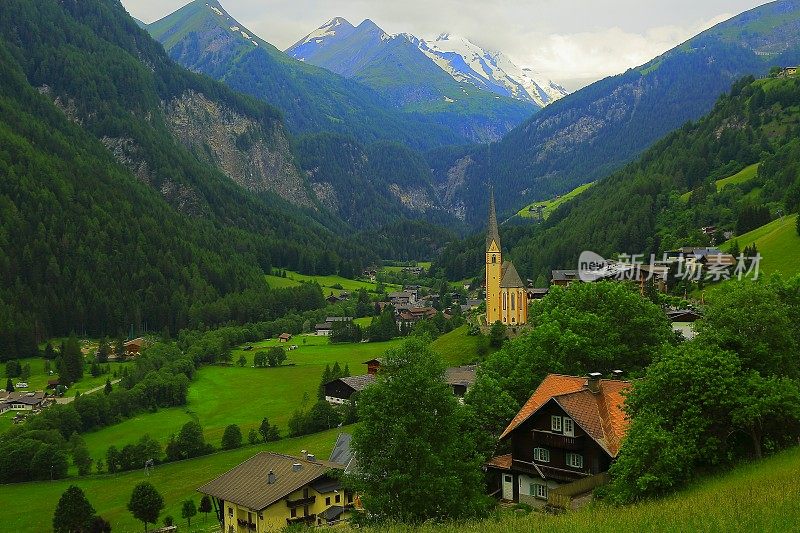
(492, 233)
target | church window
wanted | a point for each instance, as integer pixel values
(494, 259)
(513, 301)
(504, 301)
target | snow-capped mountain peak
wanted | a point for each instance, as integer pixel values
(494, 71)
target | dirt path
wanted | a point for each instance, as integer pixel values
(71, 399)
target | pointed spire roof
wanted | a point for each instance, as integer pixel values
(492, 234)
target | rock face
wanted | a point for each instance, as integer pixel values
(258, 160)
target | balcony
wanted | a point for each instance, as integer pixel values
(302, 502)
(245, 524)
(556, 440)
(309, 520)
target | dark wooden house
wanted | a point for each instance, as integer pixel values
(570, 429)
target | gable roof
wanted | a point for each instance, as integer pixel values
(510, 278)
(599, 414)
(247, 484)
(564, 275)
(461, 375)
(358, 383)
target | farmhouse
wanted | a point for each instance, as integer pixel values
(22, 401)
(134, 346)
(284, 337)
(271, 491)
(339, 391)
(323, 329)
(409, 317)
(683, 321)
(569, 431)
(563, 278)
(403, 297)
(506, 297)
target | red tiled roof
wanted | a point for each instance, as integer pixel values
(600, 415)
(502, 462)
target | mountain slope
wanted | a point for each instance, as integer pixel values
(395, 66)
(109, 218)
(640, 209)
(594, 131)
(203, 37)
(492, 71)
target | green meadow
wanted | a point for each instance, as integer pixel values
(457, 348)
(552, 204)
(744, 175)
(335, 284)
(38, 378)
(777, 242)
(109, 493)
(223, 395)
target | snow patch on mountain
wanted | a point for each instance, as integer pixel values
(467, 62)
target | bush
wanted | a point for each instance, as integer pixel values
(232, 438)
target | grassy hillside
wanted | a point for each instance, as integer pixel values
(757, 497)
(222, 395)
(744, 175)
(553, 203)
(457, 348)
(778, 244)
(109, 494)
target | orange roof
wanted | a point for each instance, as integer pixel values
(502, 462)
(600, 415)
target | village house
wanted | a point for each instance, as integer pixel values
(134, 346)
(324, 329)
(334, 299)
(403, 297)
(271, 491)
(339, 391)
(22, 401)
(284, 337)
(570, 430)
(563, 278)
(406, 318)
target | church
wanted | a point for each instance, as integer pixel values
(506, 297)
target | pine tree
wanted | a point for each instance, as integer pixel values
(108, 388)
(9, 385)
(326, 378)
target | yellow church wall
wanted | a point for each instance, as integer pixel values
(494, 262)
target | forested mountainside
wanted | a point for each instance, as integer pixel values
(396, 67)
(594, 131)
(107, 219)
(203, 37)
(663, 199)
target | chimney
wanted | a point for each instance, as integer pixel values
(296, 467)
(271, 477)
(593, 382)
(617, 374)
(311, 457)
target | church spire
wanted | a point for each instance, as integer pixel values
(492, 234)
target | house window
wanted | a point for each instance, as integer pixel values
(293, 513)
(541, 454)
(569, 427)
(230, 511)
(575, 460)
(539, 490)
(555, 423)
(338, 498)
(508, 479)
(328, 500)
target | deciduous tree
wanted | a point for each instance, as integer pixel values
(146, 503)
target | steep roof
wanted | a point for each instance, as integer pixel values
(359, 383)
(247, 484)
(599, 414)
(492, 233)
(461, 375)
(510, 278)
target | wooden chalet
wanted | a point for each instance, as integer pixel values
(134, 346)
(284, 337)
(569, 431)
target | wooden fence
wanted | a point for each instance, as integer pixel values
(561, 497)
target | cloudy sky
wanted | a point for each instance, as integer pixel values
(573, 42)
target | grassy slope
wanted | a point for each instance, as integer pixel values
(326, 282)
(778, 244)
(219, 396)
(553, 203)
(744, 175)
(109, 494)
(38, 379)
(457, 348)
(757, 497)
